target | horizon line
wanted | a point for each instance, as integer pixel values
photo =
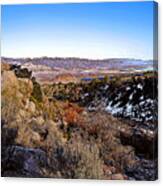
(82, 58)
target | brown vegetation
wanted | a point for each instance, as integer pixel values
(59, 138)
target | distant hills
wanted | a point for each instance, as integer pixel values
(82, 64)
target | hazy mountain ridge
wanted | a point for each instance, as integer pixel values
(82, 63)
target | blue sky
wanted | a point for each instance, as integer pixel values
(89, 30)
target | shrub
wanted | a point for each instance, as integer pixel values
(37, 92)
(76, 160)
(72, 113)
(11, 102)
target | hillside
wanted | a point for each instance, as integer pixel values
(70, 131)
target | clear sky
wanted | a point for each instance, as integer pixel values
(89, 30)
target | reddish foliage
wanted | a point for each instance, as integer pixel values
(72, 113)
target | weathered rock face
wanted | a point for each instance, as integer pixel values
(143, 170)
(8, 136)
(144, 140)
(26, 160)
(117, 177)
(23, 73)
(19, 161)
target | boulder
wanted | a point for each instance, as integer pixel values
(118, 176)
(142, 139)
(23, 73)
(23, 162)
(143, 169)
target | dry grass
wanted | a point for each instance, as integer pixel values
(11, 97)
(75, 160)
(80, 148)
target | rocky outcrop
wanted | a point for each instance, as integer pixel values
(143, 170)
(19, 161)
(22, 72)
(143, 139)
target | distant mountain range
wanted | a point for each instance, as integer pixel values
(81, 64)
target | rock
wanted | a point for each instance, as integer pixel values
(13, 67)
(23, 73)
(117, 177)
(19, 161)
(143, 169)
(9, 135)
(144, 142)
(113, 169)
(36, 137)
(107, 170)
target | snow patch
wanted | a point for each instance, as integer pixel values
(128, 88)
(139, 86)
